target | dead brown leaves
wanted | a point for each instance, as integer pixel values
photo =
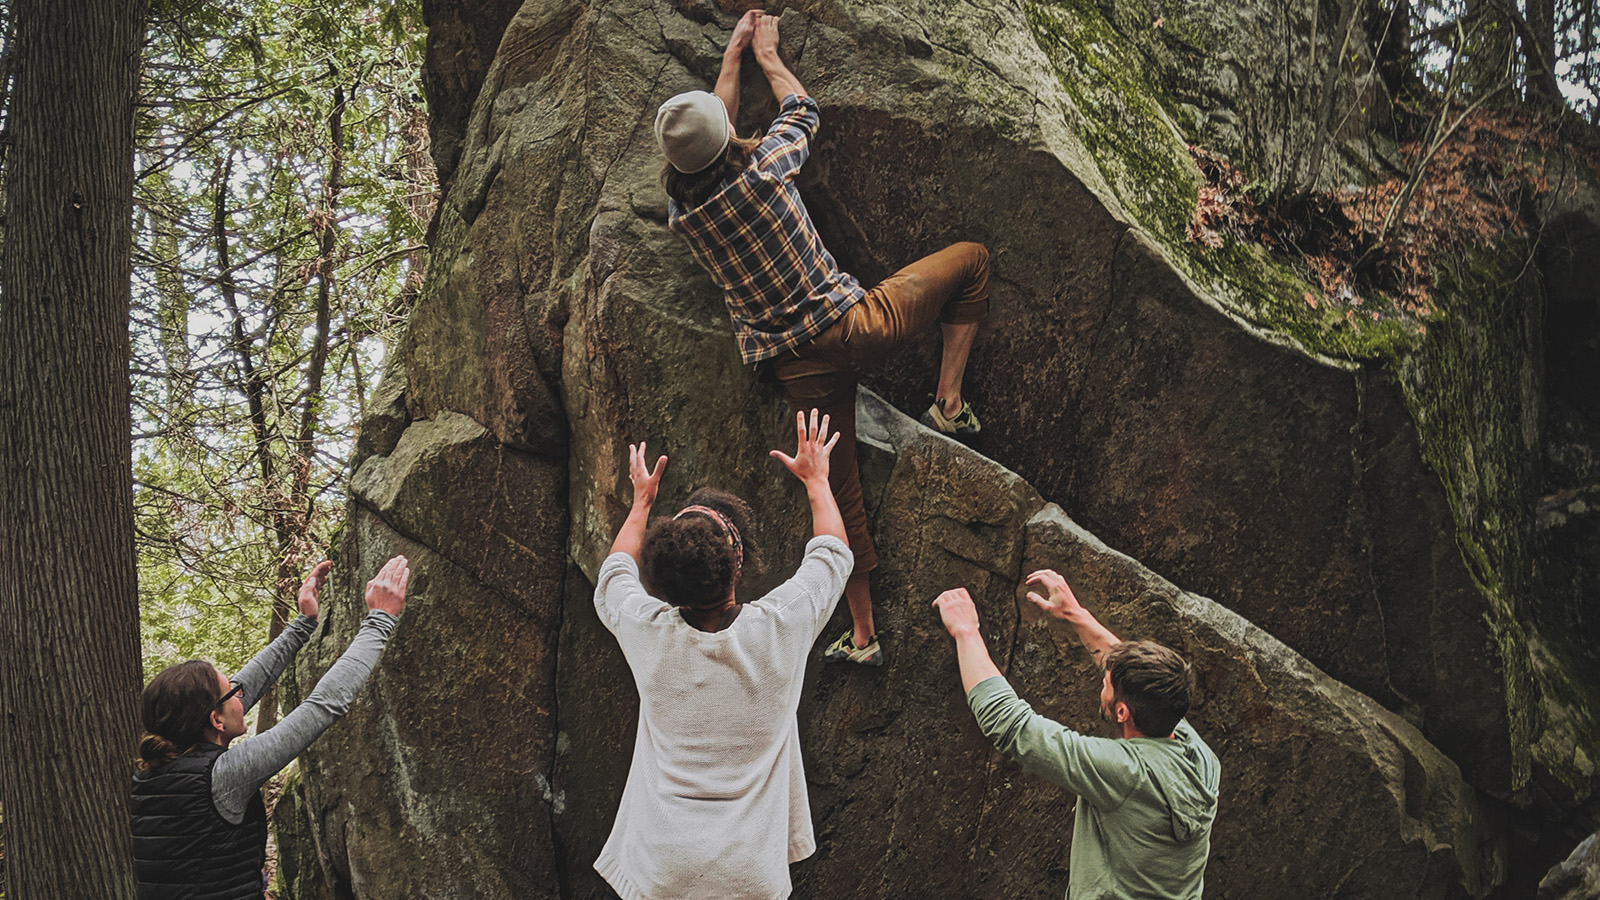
(1478, 184)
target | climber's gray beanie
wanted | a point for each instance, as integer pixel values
(692, 130)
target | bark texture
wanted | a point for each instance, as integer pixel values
(69, 670)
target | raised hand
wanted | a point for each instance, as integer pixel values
(386, 592)
(765, 39)
(810, 460)
(1061, 603)
(645, 482)
(957, 611)
(311, 589)
(744, 31)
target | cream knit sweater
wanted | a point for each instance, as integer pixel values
(715, 805)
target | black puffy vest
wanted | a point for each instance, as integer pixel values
(182, 847)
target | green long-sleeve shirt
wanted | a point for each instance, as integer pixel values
(1142, 829)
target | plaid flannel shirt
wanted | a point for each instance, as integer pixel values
(754, 236)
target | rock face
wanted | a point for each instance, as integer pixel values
(1577, 877)
(909, 799)
(456, 729)
(1349, 680)
(462, 39)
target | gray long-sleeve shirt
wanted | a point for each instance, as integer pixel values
(240, 771)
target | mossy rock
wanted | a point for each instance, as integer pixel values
(1218, 441)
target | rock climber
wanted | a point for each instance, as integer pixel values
(812, 326)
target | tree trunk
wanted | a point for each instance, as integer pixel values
(1330, 91)
(69, 617)
(1540, 51)
(1392, 23)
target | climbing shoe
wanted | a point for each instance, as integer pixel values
(963, 424)
(845, 650)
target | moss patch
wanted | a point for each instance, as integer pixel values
(1125, 126)
(1467, 389)
(1462, 371)
(1122, 125)
(1273, 295)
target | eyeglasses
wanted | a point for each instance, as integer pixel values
(237, 689)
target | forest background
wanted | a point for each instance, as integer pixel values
(283, 189)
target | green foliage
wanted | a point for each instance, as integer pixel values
(284, 186)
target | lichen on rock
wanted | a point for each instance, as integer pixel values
(1204, 469)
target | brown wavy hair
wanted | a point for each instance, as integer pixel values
(689, 562)
(691, 190)
(175, 710)
(1154, 681)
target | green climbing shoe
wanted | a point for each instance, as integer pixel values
(845, 650)
(963, 424)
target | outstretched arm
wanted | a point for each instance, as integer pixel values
(728, 79)
(263, 670)
(1063, 604)
(240, 771)
(960, 618)
(810, 464)
(630, 539)
(1098, 770)
(765, 44)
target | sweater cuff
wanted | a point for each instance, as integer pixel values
(828, 540)
(617, 560)
(381, 621)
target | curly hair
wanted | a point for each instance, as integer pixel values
(1154, 681)
(693, 189)
(175, 710)
(689, 561)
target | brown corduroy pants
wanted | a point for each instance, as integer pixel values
(950, 286)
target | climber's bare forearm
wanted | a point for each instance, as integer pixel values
(728, 81)
(972, 656)
(727, 88)
(1059, 601)
(778, 75)
(630, 539)
(1096, 638)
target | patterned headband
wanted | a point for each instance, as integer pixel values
(734, 540)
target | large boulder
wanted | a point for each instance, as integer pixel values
(462, 39)
(1351, 678)
(425, 789)
(1290, 486)
(1577, 877)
